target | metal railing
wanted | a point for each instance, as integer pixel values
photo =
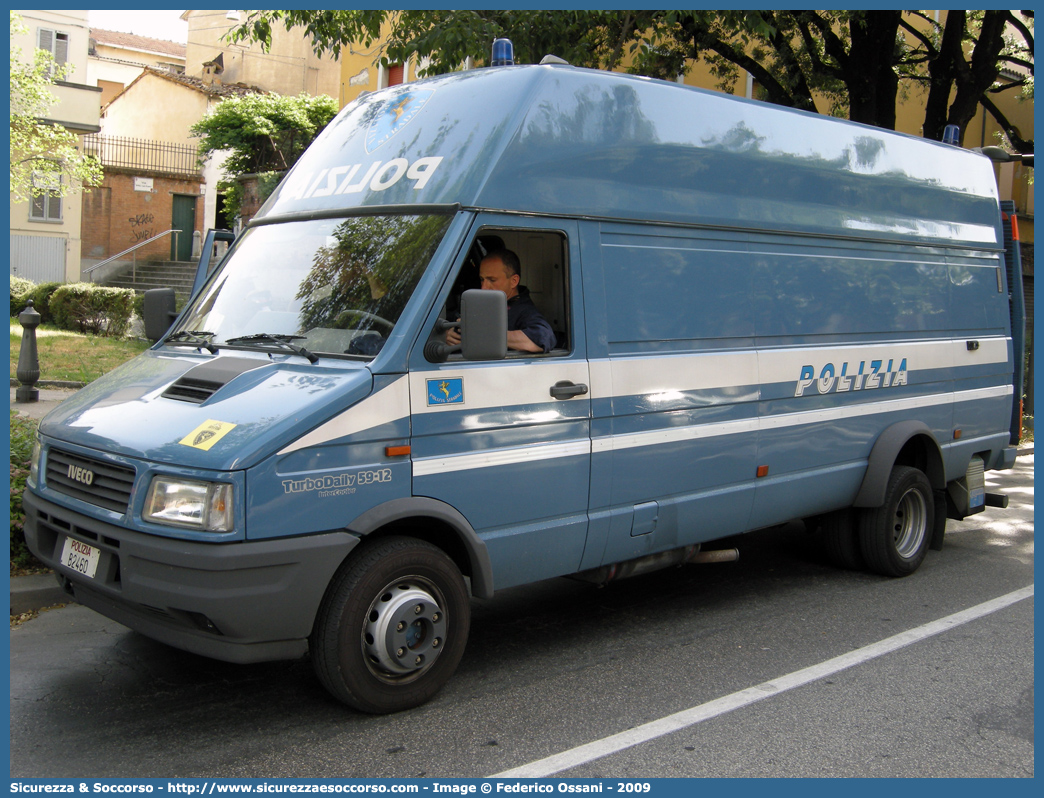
(154, 156)
(134, 261)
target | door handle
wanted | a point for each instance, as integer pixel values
(564, 389)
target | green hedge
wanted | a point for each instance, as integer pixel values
(87, 308)
(41, 296)
(23, 432)
(20, 288)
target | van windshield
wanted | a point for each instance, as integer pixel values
(330, 286)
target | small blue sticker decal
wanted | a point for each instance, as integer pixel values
(395, 115)
(446, 391)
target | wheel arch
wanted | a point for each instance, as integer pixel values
(437, 523)
(908, 443)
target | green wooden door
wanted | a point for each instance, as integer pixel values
(183, 219)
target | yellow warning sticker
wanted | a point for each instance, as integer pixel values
(207, 434)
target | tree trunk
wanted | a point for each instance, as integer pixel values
(973, 79)
(942, 71)
(870, 74)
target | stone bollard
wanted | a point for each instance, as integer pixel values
(28, 370)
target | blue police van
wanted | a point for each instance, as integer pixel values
(759, 315)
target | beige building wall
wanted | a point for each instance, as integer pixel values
(290, 67)
(113, 68)
(33, 240)
(157, 109)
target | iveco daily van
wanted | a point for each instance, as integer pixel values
(759, 315)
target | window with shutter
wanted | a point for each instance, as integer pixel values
(55, 42)
(61, 47)
(46, 207)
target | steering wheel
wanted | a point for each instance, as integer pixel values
(367, 316)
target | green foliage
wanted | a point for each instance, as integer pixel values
(88, 308)
(20, 288)
(446, 38)
(44, 157)
(264, 132)
(23, 433)
(41, 295)
(138, 305)
(23, 290)
(854, 64)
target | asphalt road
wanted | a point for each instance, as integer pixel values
(559, 665)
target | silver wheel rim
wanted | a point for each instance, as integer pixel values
(405, 630)
(909, 526)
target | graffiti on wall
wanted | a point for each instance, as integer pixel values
(141, 227)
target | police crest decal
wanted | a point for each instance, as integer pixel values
(395, 115)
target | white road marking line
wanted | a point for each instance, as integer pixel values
(690, 717)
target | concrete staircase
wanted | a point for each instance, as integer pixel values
(156, 274)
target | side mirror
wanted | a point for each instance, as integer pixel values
(483, 325)
(158, 309)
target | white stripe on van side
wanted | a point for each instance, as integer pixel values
(536, 453)
(645, 375)
(804, 417)
(508, 386)
(887, 406)
(387, 405)
(427, 466)
(648, 375)
(784, 365)
(673, 435)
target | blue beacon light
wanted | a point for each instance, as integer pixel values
(503, 53)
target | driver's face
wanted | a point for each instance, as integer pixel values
(495, 276)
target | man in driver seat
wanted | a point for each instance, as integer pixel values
(528, 330)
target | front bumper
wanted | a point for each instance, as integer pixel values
(242, 602)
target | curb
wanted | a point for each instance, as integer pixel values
(51, 384)
(30, 593)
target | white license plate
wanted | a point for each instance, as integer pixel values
(80, 557)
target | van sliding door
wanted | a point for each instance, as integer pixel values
(675, 387)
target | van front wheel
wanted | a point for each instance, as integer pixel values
(392, 626)
(894, 537)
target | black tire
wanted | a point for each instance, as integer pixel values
(392, 626)
(839, 536)
(894, 537)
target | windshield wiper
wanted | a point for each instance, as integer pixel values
(193, 337)
(278, 340)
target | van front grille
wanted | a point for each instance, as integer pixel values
(90, 480)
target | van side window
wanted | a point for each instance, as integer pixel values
(537, 297)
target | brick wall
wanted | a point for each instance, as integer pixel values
(116, 217)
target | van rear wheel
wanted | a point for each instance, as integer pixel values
(392, 626)
(894, 537)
